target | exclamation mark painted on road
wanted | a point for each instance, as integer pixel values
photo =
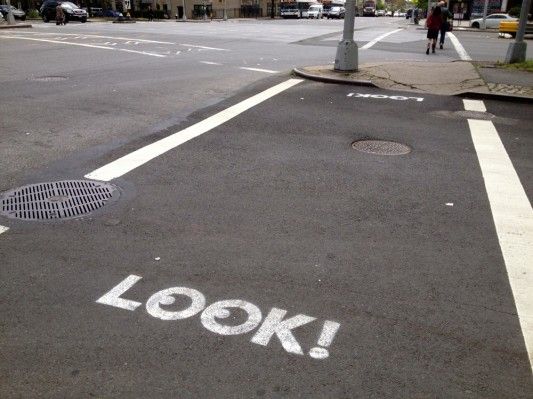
(326, 338)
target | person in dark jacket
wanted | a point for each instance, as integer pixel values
(446, 17)
(433, 23)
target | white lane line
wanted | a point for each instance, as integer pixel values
(513, 218)
(83, 45)
(377, 39)
(210, 63)
(203, 47)
(3, 229)
(459, 47)
(259, 70)
(95, 36)
(474, 105)
(139, 157)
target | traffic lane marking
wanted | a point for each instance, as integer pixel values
(129, 41)
(84, 45)
(474, 105)
(275, 323)
(513, 219)
(3, 229)
(85, 36)
(379, 38)
(258, 70)
(384, 96)
(145, 154)
(459, 47)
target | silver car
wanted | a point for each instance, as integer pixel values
(492, 21)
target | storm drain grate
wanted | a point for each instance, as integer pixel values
(56, 200)
(381, 147)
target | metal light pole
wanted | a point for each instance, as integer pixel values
(225, 12)
(347, 51)
(10, 16)
(516, 52)
(485, 7)
(184, 12)
(205, 11)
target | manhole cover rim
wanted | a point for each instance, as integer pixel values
(381, 147)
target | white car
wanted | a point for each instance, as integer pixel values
(380, 13)
(492, 21)
(315, 11)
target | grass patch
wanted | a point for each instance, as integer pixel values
(521, 66)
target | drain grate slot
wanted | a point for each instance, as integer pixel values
(56, 200)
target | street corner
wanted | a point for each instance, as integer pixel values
(327, 74)
(420, 77)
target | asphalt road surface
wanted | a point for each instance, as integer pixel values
(249, 250)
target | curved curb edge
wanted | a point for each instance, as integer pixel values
(326, 79)
(495, 96)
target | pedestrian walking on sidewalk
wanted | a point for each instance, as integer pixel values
(150, 14)
(433, 23)
(446, 17)
(60, 15)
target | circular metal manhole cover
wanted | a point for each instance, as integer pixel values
(56, 200)
(381, 147)
(48, 78)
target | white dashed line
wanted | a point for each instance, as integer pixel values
(377, 39)
(204, 47)
(143, 155)
(210, 63)
(474, 105)
(3, 229)
(459, 47)
(84, 45)
(259, 70)
(513, 219)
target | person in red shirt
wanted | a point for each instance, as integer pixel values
(433, 23)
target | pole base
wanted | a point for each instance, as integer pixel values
(516, 52)
(347, 56)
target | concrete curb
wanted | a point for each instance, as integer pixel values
(368, 83)
(15, 26)
(495, 96)
(326, 79)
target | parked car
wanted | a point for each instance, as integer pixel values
(380, 13)
(336, 12)
(72, 11)
(96, 12)
(388, 14)
(18, 14)
(492, 21)
(112, 14)
(315, 11)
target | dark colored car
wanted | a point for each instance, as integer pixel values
(112, 14)
(72, 11)
(18, 14)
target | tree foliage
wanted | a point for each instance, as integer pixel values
(422, 4)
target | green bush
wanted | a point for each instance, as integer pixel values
(33, 14)
(514, 12)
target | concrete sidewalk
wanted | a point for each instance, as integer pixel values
(451, 78)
